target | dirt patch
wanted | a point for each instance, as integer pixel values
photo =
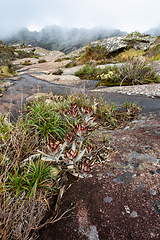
(121, 200)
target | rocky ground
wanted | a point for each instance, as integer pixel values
(122, 199)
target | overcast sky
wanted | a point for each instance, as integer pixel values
(126, 15)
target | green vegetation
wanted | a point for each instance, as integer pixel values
(7, 71)
(45, 151)
(42, 120)
(62, 59)
(26, 63)
(98, 53)
(42, 61)
(153, 54)
(70, 64)
(6, 55)
(133, 72)
(58, 72)
(26, 54)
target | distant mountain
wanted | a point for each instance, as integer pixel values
(154, 31)
(61, 38)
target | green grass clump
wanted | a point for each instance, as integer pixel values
(6, 54)
(135, 71)
(42, 61)
(42, 120)
(26, 54)
(88, 71)
(26, 63)
(70, 64)
(33, 177)
(4, 129)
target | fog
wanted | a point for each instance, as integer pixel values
(125, 15)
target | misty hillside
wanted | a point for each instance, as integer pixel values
(154, 31)
(62, 39)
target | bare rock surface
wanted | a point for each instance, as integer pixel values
(128, 208)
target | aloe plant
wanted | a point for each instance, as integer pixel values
(70, 153)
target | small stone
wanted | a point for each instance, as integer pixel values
(135, 165)
(110, 173)
(92, 233)
(158, 170)
(153, 192)
(152, 172)
(139, 189)
(127, 209)
(108, 199)
(139, 151)
(142, 185)
(81, 229)
(153, 234)
(138, 174)
(156, 206)
(134, 214)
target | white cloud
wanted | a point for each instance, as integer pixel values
(126, 15)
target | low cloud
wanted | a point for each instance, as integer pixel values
(36, 14)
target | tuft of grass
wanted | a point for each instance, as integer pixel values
(58, 72)
(26, 63)
(42, 61)
(44, 121)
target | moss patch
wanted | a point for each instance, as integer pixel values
(4, 72)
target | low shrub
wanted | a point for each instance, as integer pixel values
(135, 71)
(58, 72)
(70, 64)
(26, 63)
(42, 61)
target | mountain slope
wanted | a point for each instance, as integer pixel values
(62, 39)
(154, 31)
